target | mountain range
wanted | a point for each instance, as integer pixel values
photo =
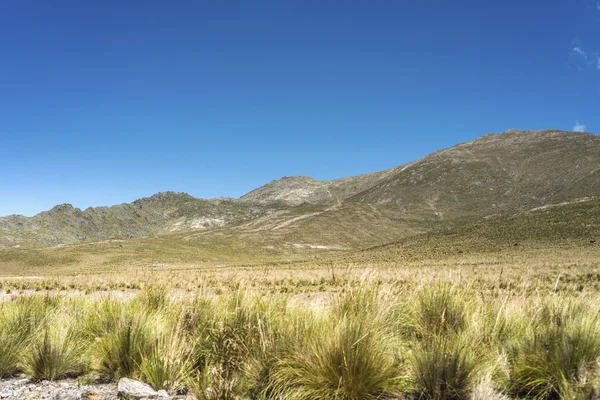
(502, 174)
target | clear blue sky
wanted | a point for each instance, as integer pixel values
(102, 102)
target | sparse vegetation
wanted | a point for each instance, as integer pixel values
(368, 340)
(502, 308)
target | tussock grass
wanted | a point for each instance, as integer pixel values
(342, 358)
(12, 340)
(365, 339)
(121, 337)
(169, 364)
(444, 368)
(154, 297)
(559, 353)
(440, 310)
(55, 352)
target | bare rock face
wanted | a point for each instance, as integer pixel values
(131, 389)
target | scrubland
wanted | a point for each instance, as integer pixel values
(466, 331)
(501, 311)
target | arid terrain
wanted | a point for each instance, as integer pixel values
(472, 273)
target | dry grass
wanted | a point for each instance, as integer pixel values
(483, 323)
(365, 338)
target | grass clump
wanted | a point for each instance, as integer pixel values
(440, 310)
(12, 340)
(121, 338)
(345, 354)
(371, 339)
(444, 368)
(154, 297)
(559, 354)
(169, 364)
(55, 352)
(223, 349)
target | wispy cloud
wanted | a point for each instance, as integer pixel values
(578, 127)
(579, 52)
(584, 59)
(598, 6)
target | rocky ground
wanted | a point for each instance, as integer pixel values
(70, 389)
(58, 390)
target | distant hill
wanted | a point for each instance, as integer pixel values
(497, 174)
(162, 212)
(296, 190)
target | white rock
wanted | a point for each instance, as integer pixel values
(162, 394)
(132, 389)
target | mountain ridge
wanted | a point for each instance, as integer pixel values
(503, 173)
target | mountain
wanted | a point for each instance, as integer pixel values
(496, 174)
(296, 190)
(543, 231)
(162, 212)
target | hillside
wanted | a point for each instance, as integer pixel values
(546, 230)
(162, 212)
(322, 227)
(296, 190)
(496, 174)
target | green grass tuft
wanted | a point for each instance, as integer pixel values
(54, 353)
(444, 368)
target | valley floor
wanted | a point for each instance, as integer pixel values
(523, 322)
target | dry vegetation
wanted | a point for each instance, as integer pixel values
(461, 314)
(361, 338)
(524, 323)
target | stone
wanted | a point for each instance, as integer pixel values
(162, 394)
(135, 390)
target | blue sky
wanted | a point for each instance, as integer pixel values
(102, 102)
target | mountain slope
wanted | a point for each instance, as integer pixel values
(500, 174)
(162, 212)
(321, 227)
(497, 173)
(572, 225)
(296, 190)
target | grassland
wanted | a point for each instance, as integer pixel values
(504, 308)
(360, 338)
